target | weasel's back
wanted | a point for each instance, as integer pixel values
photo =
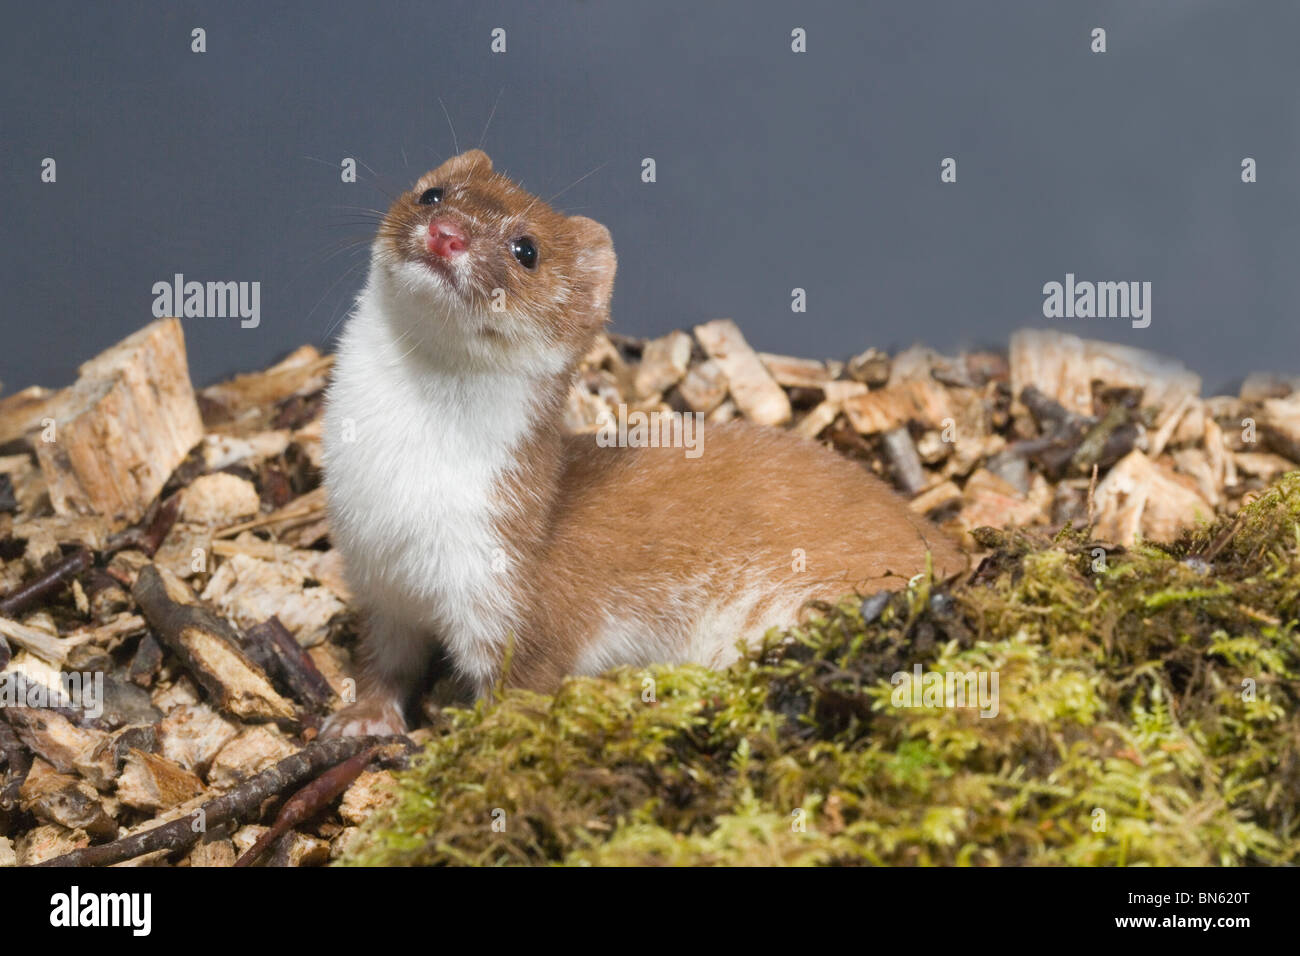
(767, 492)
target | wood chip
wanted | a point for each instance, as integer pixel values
(299, 849)
(705, 386)
(127, 423)
(371, 791)
(603, 354)
(921, 364)
(246, 836)
(41, 643)
(249, 402)
(219, 500)
(757, 395)
(191, 736)
(897, 405)
(1191, 427)
(995, 503)
(54, 738)
(939, 496)
(54, 797)
(217, 851)
(23, 412)
(723, 413)
(905, 463)
(249, 753)
(663, 363)
(335, 666)
(1185, 406)
(1223, 464)
(1140, 497)
(1279, 426)
(186, 551)
(1064, 366)
(86, 531)
(1259, 386)
(222, 450)
(150, 782)
(249, 590)
(1262, 464)
(840, 392)
(1195, 464)
(348, 839)
(818, 419)
(870, 368)
(47, 841)
(791, 372)
(103, 765)
(585, 412)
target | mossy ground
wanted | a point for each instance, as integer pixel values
(1146, 715)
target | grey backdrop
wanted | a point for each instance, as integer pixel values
(775, 170)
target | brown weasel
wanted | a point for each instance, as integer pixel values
(470, 520)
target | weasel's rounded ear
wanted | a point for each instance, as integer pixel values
(476, 157)
(595, 261)
(460, 164)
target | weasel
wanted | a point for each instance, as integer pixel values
(472, 524)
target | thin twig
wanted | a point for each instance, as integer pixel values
(309, 801)
(1092, 499)
(243, 801)
(38, 589)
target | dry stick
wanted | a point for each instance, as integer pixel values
(161, 525)
(150, 533)
(1094, 442)
(146, 661)
(297, 512)
(1226, 535)
(38, 589)
(1051, 415)
(247, 798)
(281, 656)
(309, 801)
(210, 650)
(1092, 499)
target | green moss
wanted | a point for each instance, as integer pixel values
(1146, 713)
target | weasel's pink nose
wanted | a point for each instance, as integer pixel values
(446, 239)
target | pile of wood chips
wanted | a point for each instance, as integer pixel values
(175, 542)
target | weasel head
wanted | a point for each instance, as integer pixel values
(474, 267)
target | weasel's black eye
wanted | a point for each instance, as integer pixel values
(431, 197)
(525, 250)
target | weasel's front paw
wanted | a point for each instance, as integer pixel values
(366, 718)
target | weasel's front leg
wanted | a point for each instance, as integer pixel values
(394, 659)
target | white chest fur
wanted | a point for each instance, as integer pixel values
(415, 448)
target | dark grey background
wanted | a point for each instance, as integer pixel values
(776, 170)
